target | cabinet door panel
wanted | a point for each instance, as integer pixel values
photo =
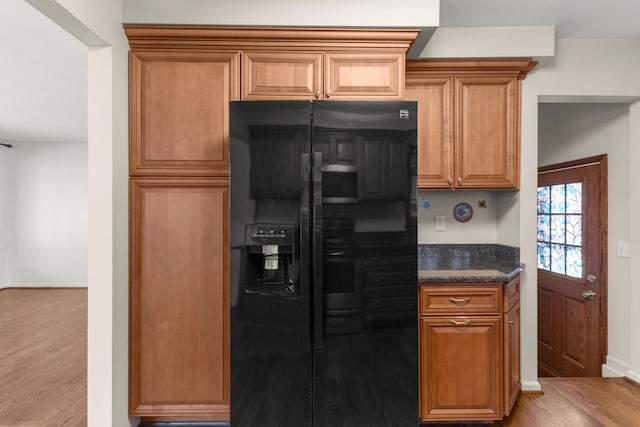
(179, 314)
(281, 75)
(487, 144)
(461, 368)
(369, 75)
(435, 130)
(179, 111)
(512, 382)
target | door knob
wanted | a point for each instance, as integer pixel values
(591, 278)
(589, 294)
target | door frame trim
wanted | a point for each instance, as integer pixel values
(604, 249)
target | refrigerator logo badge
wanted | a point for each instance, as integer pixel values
(404, 114)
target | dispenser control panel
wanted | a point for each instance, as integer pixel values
(270, 234)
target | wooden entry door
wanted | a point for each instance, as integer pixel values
(572, 271)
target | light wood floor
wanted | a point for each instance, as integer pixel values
(43, 357)
(573, 402)
(43, 377)
(579, 402)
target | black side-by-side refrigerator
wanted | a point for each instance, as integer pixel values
(323, 296)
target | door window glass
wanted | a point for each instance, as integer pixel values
(560, 228)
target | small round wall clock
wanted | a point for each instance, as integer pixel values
(462, 212)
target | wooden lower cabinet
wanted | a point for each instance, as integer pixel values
(179, 312)
(512, 383)
(469, 351)
(461, 373)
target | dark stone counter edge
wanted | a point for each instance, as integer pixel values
(499, 275)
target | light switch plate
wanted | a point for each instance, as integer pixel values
(440, 223)
(624, 249)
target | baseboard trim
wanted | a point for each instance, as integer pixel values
(614, 368)
(45, 285)
(632, 376)
(531, 387)
(631, 381)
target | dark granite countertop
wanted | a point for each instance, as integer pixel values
(472, 263)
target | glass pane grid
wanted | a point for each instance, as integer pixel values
(560, 229)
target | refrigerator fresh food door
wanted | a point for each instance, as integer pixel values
(365, 361)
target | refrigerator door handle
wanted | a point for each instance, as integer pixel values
(305, 243)
(318, 307)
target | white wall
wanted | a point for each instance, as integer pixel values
(595, 69)
(418, 14)
(481, 228)
(46, 214)
(572, 131)
(5, 158)
(376, 13)
(490, 42)
(98, 24)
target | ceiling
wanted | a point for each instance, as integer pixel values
(43, 77)
(571, 18)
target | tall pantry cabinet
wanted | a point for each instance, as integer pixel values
(181, 80)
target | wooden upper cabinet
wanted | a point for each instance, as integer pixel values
(179, 111)
(329, 75)
(281, 75)
(367, 75)
(488, 146)
(322, 63)
(435, 129)
(469, 121)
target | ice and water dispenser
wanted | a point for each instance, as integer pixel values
(272, 255)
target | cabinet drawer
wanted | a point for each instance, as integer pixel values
(459, 299)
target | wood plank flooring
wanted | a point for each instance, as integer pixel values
(43, 357)
(580, 402)
(574, 402)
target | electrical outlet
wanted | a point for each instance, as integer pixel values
(439, 223)
(624, 249)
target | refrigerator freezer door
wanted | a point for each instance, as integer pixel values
(270, 331)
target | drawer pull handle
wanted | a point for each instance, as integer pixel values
(466, 300)
(461, 323)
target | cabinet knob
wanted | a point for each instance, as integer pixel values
(459, 181)
(511, 322)
(449, 181)
(318, 93)
(328, 93)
